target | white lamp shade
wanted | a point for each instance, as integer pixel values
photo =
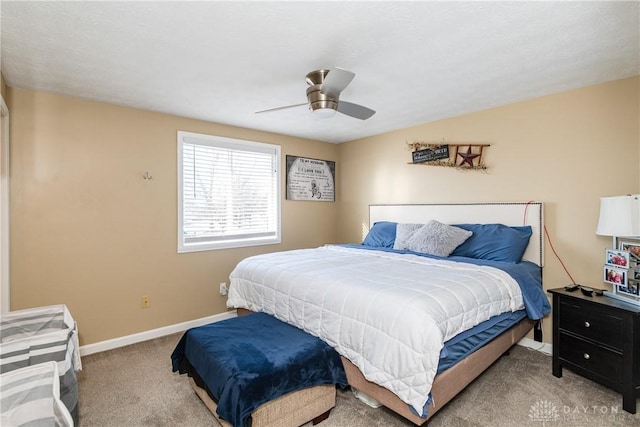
(619, 216)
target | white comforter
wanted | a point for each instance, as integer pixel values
(388, 313)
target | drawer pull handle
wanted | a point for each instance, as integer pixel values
(586, 356)
(587, 324)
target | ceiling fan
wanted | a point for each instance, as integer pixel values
(323, 95)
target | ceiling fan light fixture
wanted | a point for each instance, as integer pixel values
(323, 113)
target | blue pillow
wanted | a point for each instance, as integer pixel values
(381, 235)
(495, 242)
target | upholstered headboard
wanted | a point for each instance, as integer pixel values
(511, 214)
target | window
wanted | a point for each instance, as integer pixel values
(228, 193)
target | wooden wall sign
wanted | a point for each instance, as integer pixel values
(461, 156)
(430, 154)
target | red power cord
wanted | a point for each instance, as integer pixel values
(546, 232)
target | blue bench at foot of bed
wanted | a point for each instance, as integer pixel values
(247, 361)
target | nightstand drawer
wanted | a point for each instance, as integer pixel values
(591, 357)
(602, 326)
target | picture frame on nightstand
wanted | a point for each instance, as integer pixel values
(622, 270)
(617, 258)
(632, 246)
(615, 276)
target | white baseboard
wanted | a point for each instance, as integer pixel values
(154, 333)
(544, 348)
(179, 327)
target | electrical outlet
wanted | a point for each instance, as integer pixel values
(146, 301)
(223, 288)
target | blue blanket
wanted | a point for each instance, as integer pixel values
(250, 360)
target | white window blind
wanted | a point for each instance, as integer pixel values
(229, 193)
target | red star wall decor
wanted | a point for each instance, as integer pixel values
(467, 158)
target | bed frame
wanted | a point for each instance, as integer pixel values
(449, 383)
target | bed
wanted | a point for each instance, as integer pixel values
(390, 305)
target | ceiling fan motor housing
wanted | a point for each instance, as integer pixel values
(317, 99)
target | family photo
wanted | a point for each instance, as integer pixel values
(615, 276)
(619, 258)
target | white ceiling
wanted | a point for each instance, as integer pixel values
(415, 62)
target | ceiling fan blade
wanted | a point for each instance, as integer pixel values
(355, 110)
(336, 81)
(280, 108)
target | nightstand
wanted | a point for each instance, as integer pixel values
(599, 338)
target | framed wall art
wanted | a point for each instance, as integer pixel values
(310, 179)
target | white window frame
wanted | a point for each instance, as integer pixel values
(236, 144)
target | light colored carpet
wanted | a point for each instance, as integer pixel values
(134, 386)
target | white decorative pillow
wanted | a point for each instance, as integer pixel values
(436, 238)
(403, 233)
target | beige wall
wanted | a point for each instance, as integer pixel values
(88, 231)
(566, 150)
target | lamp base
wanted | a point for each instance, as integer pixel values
(628, 299)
